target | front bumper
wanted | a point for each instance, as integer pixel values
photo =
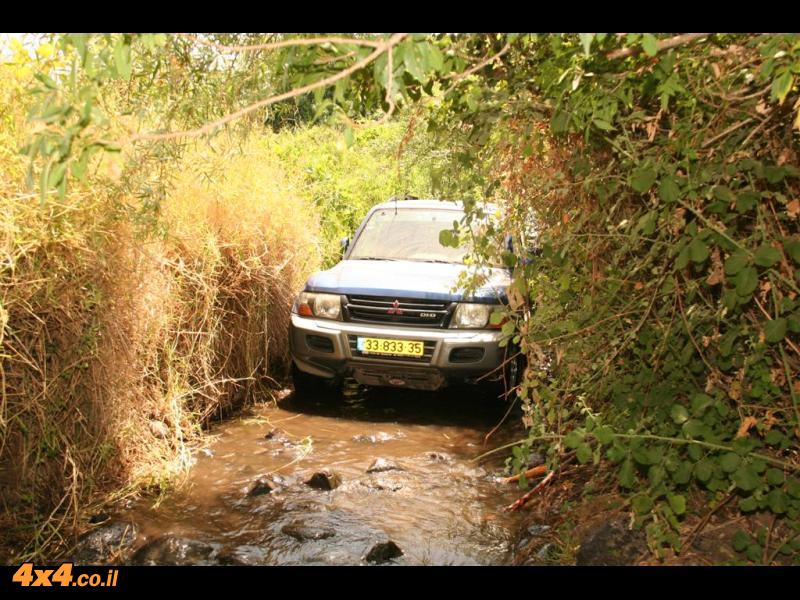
(328, 349)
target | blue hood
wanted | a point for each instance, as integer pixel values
(406, 279)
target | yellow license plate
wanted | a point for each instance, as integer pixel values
(390, 347)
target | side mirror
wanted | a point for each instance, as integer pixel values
(345, 243)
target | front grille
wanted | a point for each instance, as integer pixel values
(406, 312)
(427, 352)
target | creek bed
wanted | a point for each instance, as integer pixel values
(399, 465)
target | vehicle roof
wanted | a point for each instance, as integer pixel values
(426, 203)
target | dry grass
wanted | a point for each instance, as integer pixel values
(118, 348)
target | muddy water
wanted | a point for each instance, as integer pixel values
(436, 504)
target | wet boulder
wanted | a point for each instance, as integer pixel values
(174, 550)
(261, 486)
(324, 480)
(303, 532)
(381, 465)
(383, 552)
(104, 543)
(611, 544)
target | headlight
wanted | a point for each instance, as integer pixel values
(326, 306)
(471, 316)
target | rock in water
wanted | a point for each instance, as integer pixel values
(380, 465)
(172, 550)
(383, 552)
(611, 544)
(324, 480)
(99, 545)
(303, 532)
(261, 486)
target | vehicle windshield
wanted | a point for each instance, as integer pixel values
(408, 234)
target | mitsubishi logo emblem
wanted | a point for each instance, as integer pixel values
(395, 309)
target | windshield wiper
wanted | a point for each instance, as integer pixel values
(437, 260)
(370, 258)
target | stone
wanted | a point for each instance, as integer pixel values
(381, 465)
(611, 544)
(174, 550)
(101, 544)
(304, 532)
(324, 480)
(261, 486)
(383, 552)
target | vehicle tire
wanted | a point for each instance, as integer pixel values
(307, 385)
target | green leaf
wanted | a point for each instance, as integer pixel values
(748, 504)
(781, 86)
(700, 402)
(698, 251)
(735, 263)
(777, 501)
(650, 44)
(411, 60)
(583, 453)
(746, 201)
(682, 261)
(604, 434)
(603, 125)
(774, 174)
(775, 330)
(448, 238)
(724, 193)
(683, 473)
(741, 540)
(730, 462)
(122, 58)
(746, 281)
(586, 41)
(703, 470)
(679, 414)
(677, 503)
(775, 477)
(573, 439)
(746, 478)
(643, 179)
(642, 504)
(766, 256)
(793, 248)
(668, 190)
(627, 476)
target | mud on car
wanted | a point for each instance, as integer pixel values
(387, 313)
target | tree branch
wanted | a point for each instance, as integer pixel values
(678, 40)
(210, 127)
(480, 65)
(281, 44)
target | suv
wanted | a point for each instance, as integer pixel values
(387, 315)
